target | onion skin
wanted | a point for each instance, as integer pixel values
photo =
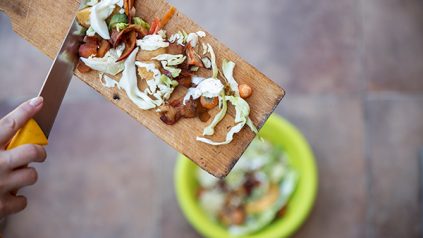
(130, 44)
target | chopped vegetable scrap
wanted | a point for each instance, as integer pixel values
(254, 194)
(139, 58)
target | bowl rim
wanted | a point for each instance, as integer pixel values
(208, 228)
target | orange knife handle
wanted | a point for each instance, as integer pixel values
(30, 133)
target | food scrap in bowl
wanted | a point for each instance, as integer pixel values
(254, 194)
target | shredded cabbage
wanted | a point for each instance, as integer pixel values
(242, 109)
(107, 82)
(172, 60)
(196, 80)
(229, 136)
(107, 64)
(201, 33)
(172, 70)
(192, 38)
(209, 130)
(92, 2)
(152, 42)
(168, 60)
(90, 31)
(151, 83)
(98, 15)
(228, 70)
(251, 125)
(241, 117)
(150, 67)
(166, 86)
(205, 48)
(206, 62)
(119, 49)
(208, 88)
(160, 86)
(128, 82)
(178, 37)
(194, 68)
(181, 38)
(162, 33)
(213, 61)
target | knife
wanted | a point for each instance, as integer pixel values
(37, 129)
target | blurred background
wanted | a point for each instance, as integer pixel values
(353, 72)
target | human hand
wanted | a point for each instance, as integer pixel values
(14, 173)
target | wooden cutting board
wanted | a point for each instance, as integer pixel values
(44, 24)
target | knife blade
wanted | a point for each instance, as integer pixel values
(58, 78)
(54, 88)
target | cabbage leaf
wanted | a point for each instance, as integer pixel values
(107, 64)
(128, 82)
(98, 14)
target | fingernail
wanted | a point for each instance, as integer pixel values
(35, 102)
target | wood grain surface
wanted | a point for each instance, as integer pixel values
(44, 24)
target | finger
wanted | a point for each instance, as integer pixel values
(12, 204)
(12, 122)
(20, 178)
(21, 156)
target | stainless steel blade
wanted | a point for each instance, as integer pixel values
(58, 78)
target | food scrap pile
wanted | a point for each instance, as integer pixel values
(255, 192)
(141, 59)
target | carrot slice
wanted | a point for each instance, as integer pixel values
(169, 14)
(126, 4)
(155, 26)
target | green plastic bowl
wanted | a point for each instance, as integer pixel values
(278, 131)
